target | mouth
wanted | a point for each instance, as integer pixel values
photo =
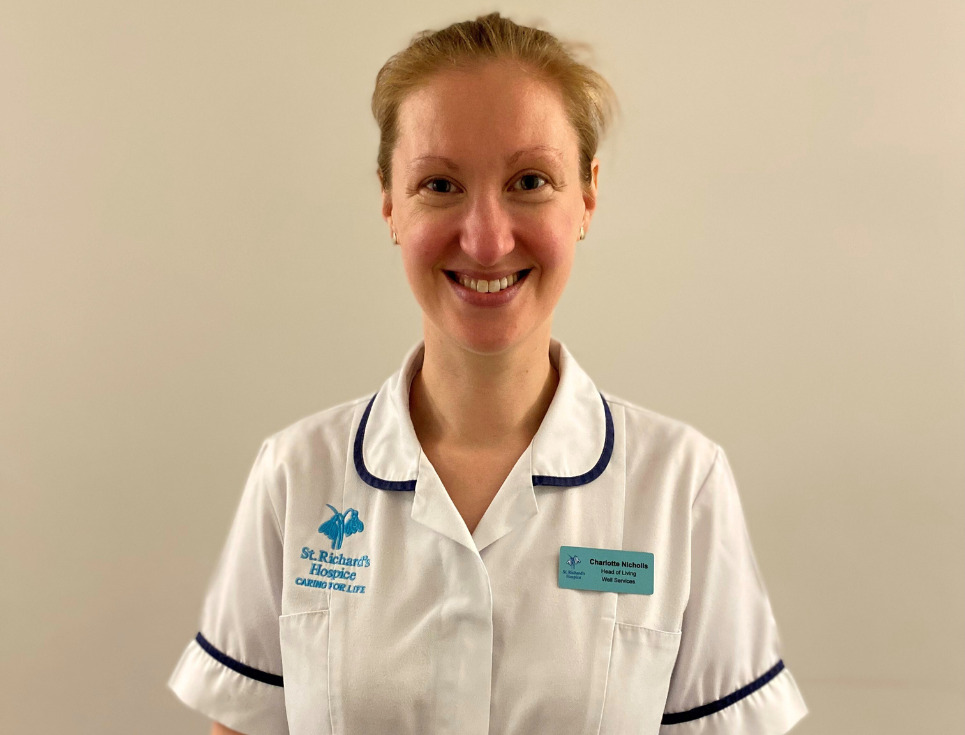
(482, 285)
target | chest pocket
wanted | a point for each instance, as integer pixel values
(304, 654)
(638, 678)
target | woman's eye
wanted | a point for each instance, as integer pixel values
(440, 186)
(530, 182)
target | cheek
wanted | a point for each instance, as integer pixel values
(419, 249)
(561, 266)
(551, 241)
(414, 265)
(422, 251)
(427, 239)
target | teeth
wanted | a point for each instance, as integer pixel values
(483, 286)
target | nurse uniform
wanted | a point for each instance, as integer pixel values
(350, 597)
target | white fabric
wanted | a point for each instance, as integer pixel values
(470, 633)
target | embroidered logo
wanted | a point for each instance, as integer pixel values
(573, 560)
(341, 525)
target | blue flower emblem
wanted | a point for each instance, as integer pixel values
(341, 525)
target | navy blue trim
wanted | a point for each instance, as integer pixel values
(368, 477)
(409, 485)
(598, 468)
(243, 669)
(676, 718)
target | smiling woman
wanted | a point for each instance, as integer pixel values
(489, 544)
(487, 190)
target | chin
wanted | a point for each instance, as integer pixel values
(495, 341)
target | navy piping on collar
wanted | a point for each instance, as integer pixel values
(243, 669)
(367, 476)
(409, 485)
(676, 718)
(597, 469)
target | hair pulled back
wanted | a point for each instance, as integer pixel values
(588, 98)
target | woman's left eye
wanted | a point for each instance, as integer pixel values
(440, 186)
(530, 182)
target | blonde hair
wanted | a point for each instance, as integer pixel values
(588, 98)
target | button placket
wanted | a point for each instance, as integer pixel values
(465, 646)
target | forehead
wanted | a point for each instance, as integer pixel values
(497, 108)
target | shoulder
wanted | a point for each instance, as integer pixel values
(311, 450)
(646, 425)
(665, 447)
(326, 429)
(308, 454)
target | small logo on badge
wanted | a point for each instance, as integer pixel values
(341, 525)
(573, 560)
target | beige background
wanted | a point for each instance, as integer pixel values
(192, 258)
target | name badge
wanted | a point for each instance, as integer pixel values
(606, 570)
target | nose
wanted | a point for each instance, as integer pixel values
(487, 235)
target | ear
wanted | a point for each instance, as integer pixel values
(589, 194)
(386, 200)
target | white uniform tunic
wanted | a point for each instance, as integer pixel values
(351, 598)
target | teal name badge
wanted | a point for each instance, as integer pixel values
(606, 570)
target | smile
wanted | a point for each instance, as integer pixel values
(483, 286)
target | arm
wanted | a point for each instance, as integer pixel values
(239, 619)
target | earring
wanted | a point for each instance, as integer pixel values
(395, 238)
(582, 233)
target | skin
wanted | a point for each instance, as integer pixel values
(485, 182)
(513, 200)
(219, 729)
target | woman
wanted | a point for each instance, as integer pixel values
(488, 544)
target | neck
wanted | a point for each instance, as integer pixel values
(473, 400)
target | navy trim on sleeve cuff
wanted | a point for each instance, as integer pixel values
(243, 669)
(696, 713)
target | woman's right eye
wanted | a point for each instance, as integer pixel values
(440, 186)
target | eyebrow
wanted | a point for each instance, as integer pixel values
(447, 162)
(453, 166)
(548, 149)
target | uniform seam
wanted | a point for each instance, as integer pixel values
(606, 684)
(271, 500)
(328, 671)
(710, 471)
(650, 628)
(623, 519)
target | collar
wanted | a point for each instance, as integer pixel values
(572, 447)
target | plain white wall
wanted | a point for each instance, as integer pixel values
(191, 257)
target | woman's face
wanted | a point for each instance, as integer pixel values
(486, 190)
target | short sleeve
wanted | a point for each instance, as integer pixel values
(729, 676)
(231, 671)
